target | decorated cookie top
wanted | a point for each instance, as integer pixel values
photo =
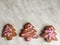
(28, 32)
(49, 33)
(8, 31)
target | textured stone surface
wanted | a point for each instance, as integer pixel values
(38, 12)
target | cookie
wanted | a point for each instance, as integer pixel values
(8, 32)
(28, 32)
(48, 33)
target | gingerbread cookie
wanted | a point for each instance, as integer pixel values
(28, 32)
(49, 33)
(8, 32)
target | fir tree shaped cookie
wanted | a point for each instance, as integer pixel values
(49, 33)
(28, 32)
(8, 32)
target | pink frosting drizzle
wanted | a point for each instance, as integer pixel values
(7, 31)
(50, 34)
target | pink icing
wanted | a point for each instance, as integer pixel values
(49, 31)
(30, 26)
(35, 36)
(7, 31)
(28, 39)
(50, 34)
